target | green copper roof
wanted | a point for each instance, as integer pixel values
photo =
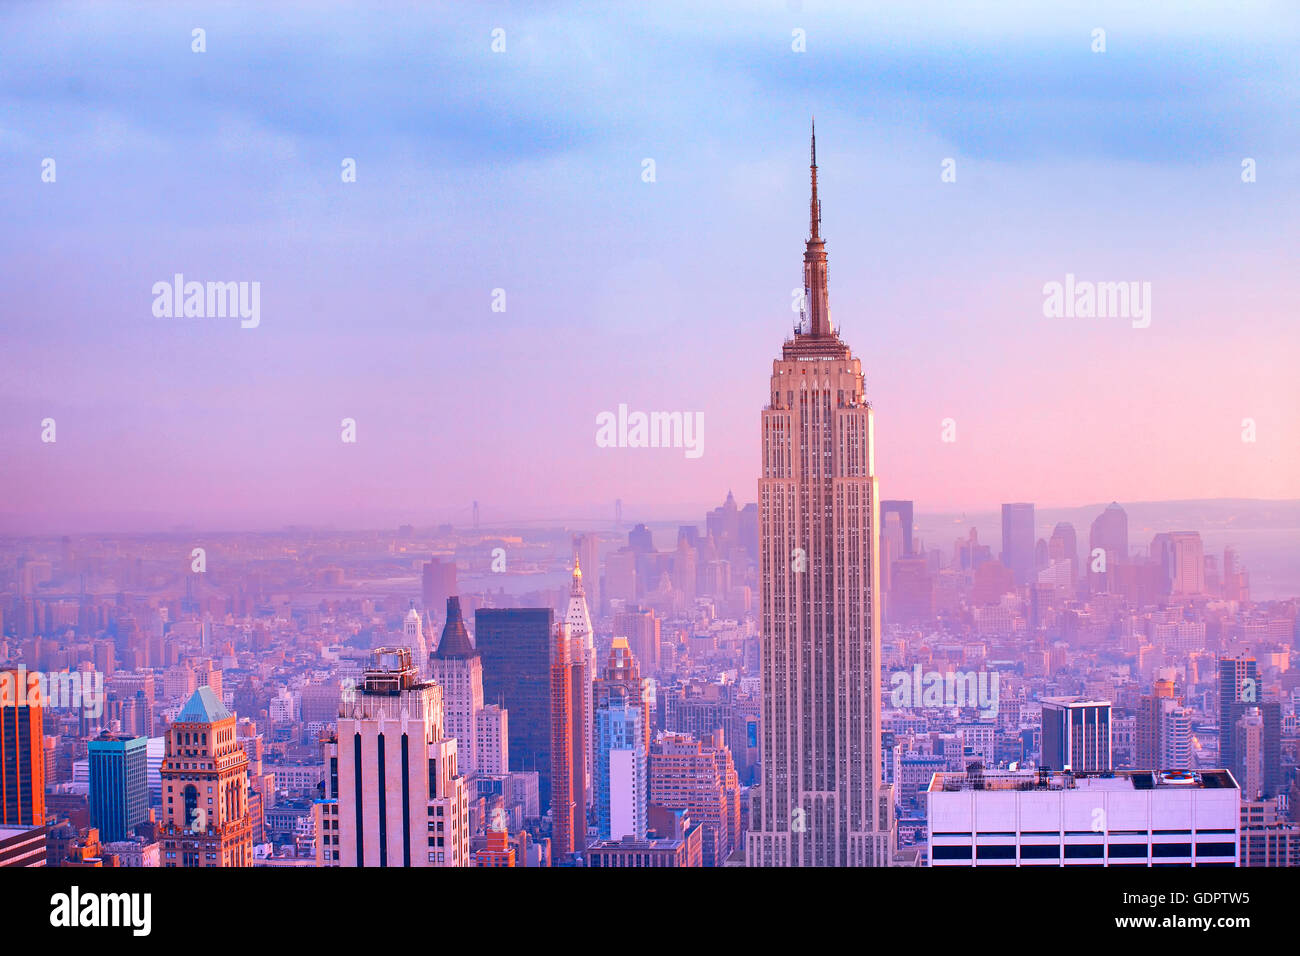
(203, 708)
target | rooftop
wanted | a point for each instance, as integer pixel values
(203, 707)
(1004, 780)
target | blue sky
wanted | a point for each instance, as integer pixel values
(522, 171)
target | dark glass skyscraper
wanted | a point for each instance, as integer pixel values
(1076, 734)
(1238, 690)
(515, 647)
(119, 786)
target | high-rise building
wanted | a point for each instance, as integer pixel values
(821, 801)
(1109, 532)
(568, 759)
(1064, 546)
(1239, 690)
(621, 577)
(457, 667)
(22, 751)
(643, 630)
(1050, 818)
(903, 509)
(1018, 541)
(119, 785)
(1181, 560)
(699, 776)
(1235, 579)
(515, 647)
(401, 799)
(578, 618)
(206, 820)
(622, 744)
(1076, 734)
(1150, 744)
(1248, 751)
(587, 548)
(492, 746)
(413, 632)
(1268, 838)
(437, 583)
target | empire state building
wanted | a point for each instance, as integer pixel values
(821, 801)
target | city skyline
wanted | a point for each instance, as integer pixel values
(422, 449)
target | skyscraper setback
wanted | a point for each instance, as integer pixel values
(821, 801)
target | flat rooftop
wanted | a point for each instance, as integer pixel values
(1123, 780)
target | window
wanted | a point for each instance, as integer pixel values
(951, 853)
(1084, 851)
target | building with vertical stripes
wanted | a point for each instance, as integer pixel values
(821, 800)
(1076, 734)
(401, 798)
(119, 786)
(22, 752)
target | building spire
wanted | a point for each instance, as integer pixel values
(814, 261)
(815, 206)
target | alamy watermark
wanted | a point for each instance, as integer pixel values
(208, 300)
(977, 689)
(626, 429)
(63, 689)
(1085, 299)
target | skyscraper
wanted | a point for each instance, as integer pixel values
(584, 642)
(515, 647)
(820, 801)
(458, 669)
(587, 547)
(119, 788)
(904, 511)
(437, 583)
(1064, 546)
(1076, 734)
(413, 632)
(699, 775)
(568, 757)
(622, 739)
(22, 751)
(206, 822)
(401, 796)
(1181, 560)
(1109, 532)
(1018, 541)
(1238, 691)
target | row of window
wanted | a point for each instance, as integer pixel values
(1080, 851)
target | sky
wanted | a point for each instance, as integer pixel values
(524, 171)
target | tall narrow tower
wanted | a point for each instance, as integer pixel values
(413, 632)
(569, 733)
(204, 777)
(584, 648)
(456, 666)
(821, 801)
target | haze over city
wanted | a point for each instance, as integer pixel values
(652, 437)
